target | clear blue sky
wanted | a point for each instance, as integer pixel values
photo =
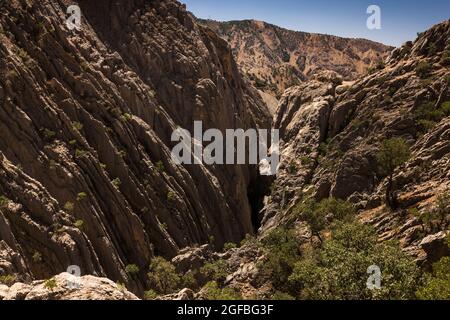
(401, 19)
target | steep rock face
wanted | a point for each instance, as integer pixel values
(276, 59)
(331, 135)
(86, 117)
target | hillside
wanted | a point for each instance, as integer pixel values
(276, 59)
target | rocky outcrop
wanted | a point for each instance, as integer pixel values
(331, 134)
(86, 117)
(62, 287)
(276, 59)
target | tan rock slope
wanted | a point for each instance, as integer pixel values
(86, 117)
(276, 59)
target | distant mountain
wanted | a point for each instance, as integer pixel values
(275, 59)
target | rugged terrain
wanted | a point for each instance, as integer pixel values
(276, 59)
(86, 117)
(86, 176)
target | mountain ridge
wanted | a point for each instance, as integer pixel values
(275, 58)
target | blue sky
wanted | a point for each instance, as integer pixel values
(401, 19)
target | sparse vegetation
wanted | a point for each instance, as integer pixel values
(171, 196)
(48, 134)
(132, 269)
(393, 153)
(305, 160)
(216, 271)
(423, 69)
(445, 59)
(69, 206)
(81, 196)
(3, 201)
(79, 224)
(77, 125)
(8, 279)
(36, 257)
(228, 246)
(427, 115)
(160, 166)
(79, 153)
(150, 295)
(50, 284)
(281, 248)
(214, 292)
(162, 276)
(126, 117)
(325, 213)
(437, 284)
(116, 182)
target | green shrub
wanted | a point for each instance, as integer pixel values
(325, 213)
(426, 115)
(116, 183)
(49, 134)
(286, 56)
(171, 196)
(445, 59)
(132, 269)
(80, 153)
(126, 117)
(437, 284)
(423, 69)
(3, 201)
(229, 245)
(36, 257)
(162, 276)
(216, 270)
(50, 284)
(281, 250)
(150, 295)
(214, 292)
(8, 279)
(79, 224)
(281, 296)
(306, 161)
(81, 196)
(339, 270)
(160, 166)
(77, 125)
(69, 206)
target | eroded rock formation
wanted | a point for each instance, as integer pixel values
(86, 117)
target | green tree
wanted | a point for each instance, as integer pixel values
(437, 284)
(132, 269)
(326, 212)
(214, 292)
(281, 251)
(216, 270)
(338, 270)
(162, 276)
(393, 153)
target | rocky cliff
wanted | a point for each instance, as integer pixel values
(332, 132)
(86, 119)
(87, 179)
(276, 59)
